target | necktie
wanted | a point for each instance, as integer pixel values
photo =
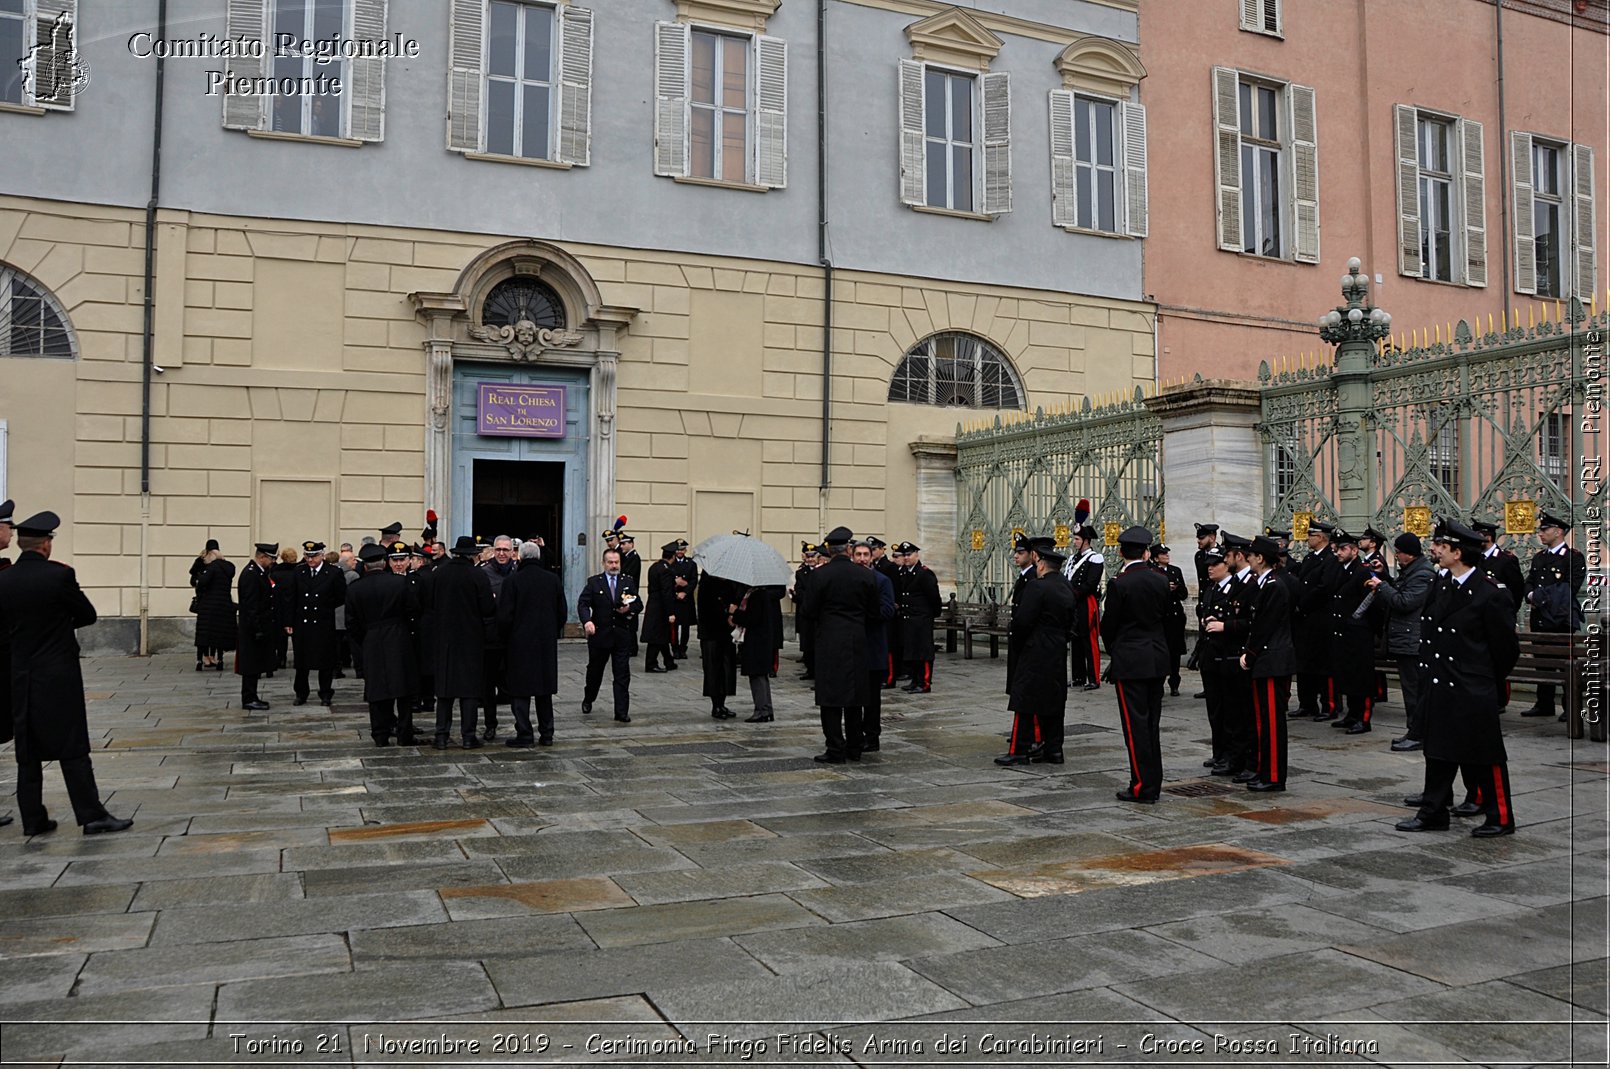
(612, 588)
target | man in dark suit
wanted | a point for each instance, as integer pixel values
(608, 611)
(316, 592)
(457, 597)
(886, 567)
(1552, 585)
(1137, 661)
(381, 610)
(1318, 572)
(1467, 648)
(1271, 659)
(1042, 617)
(918, 605)
(1500, 563)
(1223, 610)
(6, 531)
(1025, 736)
(1353, 627)
(663, 611)
(877, 644)
(41, 606)
(1207, 540)
(685, 588)
(842, 600)
(804, 626)
(1176, 613)
(254, 651)
(532, 613)
(631, 563)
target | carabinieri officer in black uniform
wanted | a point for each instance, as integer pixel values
(316, 592)
(1137, 661)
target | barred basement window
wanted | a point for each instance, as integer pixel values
(517, 299)
(1282, 472)
(957, 370)
(32, 323)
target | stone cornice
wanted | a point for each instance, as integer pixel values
(953, 37)
(1000, 24)
(1100, 65)
(742, 14)
(1196, 397)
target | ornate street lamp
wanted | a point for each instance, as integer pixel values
(1354, 329)
(1357, 320)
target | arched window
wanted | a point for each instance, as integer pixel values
(522, 298)
(32, 322)
(959, 370)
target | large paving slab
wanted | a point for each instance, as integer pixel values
(678, 874)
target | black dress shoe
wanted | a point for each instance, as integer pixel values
(911, 688)
(1406, 745)
(440, 743)
(869, 746)
(624, 718)
(829, 758)
(1490, 831)
(490, 734)
(1415, 801)
(44, 829)
(1223, 769)
(300, 701)
(326, 702)
(1359, 728)
(405, 740)
(1416, 823)
(671, 666)
(1535, 711)
(1210, 762)
(655, 671)
(1173, 692)
(1097, 686)
(471, 743)
(1344, 723)
(524, 744)
(545, 740)
(1047, 757)
(1320, 718)
(1260, 786)
(1467, 809)
(384, 740)
(1125, 796)
(106, 824)
(5, 820)
(1246, 775)
(722, 714)
(763, 718)
(1013, 759)
(257, 706)
(1200, 694)
(586, 707)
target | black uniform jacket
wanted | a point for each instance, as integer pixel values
(687, 612)
(532, 613)
(917, 605)
(1269, 648)
(1086, 582)
(1176, 609)
(1231, 606)
(1042, 619)
(632, 565)
(5, 670)
(256, 652)
(40, 607)
(314, 597)
(1352, 649)
(760, 614)
(1024, 578)
(381, 610)
(614, 630)
(1505, 568)
(458, 601)
(1311, 615)
(842, 599)
(1132, 625)
(1566, 568)
(1467, 649)
(662, 604)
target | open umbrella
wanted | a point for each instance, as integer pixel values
(744, 560)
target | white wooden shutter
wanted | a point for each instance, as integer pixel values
(672, 49)
(1227, 156)
(913, 115)
(1520, 164)
(466, 25)
(771, 112)
(1252, 15)
(1473, 188)
(1585, 220)
(1304, 173)
(1133, 119)
(366, 117)
(246, 19)
(996, 91)
(575, 86)
(55, 61)
(1406, 129)
(1064, 187)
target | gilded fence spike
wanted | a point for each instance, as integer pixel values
(1503, 321)
(1531, 316)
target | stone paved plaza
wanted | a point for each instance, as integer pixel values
(679, 890)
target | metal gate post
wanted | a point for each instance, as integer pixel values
(1354, 328)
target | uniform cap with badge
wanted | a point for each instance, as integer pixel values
(311, 548)
(1343, 538)
(372, 554)
(399, 551)
(1045, 547)
(392, 530)
(268, 548)
(1205, 529)
(7, 507)
(1265, 547)
(1545, 519)
(39, 525)
(838, 536)
(1135, 536)
(907, 547)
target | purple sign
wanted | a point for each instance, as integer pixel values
(507, 411)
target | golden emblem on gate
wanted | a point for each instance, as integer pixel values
(1417, 520)
(1520, 517)
(1299, 525)
(1110, 532)
(978, 538)
(1063, 534)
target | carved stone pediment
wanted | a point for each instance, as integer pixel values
(525, 340)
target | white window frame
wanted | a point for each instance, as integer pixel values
(24, 85)
(1262, 147)
(724, 35)
(1085, 103)
(1553, 442)
(975, 146)
(1296, 149)
(3, 434)
(311, 68)
(520, 81)
(1255, 17)
(1447, 181)
(1561, 200)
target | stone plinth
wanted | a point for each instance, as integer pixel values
(1212, 462)
(936, 505)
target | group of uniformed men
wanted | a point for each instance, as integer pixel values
(1263, 621)
(906, 647)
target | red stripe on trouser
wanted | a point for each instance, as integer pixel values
(1129, 740)
(1011, 747)
(1275, 774)
(1330, 695)
(927, 673)
(1095, 643)
(1369, 706)
(890, 677)
(1257, 724)
(1504, 815)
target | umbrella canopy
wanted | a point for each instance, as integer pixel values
(744, 560)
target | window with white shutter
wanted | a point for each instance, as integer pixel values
(1585, 222)
(996, 92)
(1473, 199)
(520, 86)
(1266, 166)
(1520, 162)
(721, 105)
(1556, 215)
(1098, 164)
(39, 65)
(1136, 192)
(955, 139)
(314, 95)
(1304, 174)
(1227, 156)
(1064, 160)
(575, 86)
(1261, 16)
(243, 105)
(1441, 195)
(466, 41)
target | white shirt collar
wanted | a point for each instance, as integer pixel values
(1243, 573)
(1560, 549)
(1492, 550)
(1224, 585)
(1462, 579)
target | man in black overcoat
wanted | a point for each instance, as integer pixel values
(608, 611)
(1176, 613)
(7, 508)
(1137, 661)
(1311, 630)
(1042, 618)
(41, 606)
(1223, 612)
(463, 614)
(420, 566)
(1207, 540)
(1467, 649)
(255, 652)
(890, 570)
(843, 600)
(760, 614)
(1552, 586)
(661, 615)
(1271, 659)
(1500, 563)
(631, 563)
(317, 590)
(1025, 736)
(381, 610)
(877, 645)
(1353, 628)
(804, 627)
(918, 605)
(686, 589)
(532, 614)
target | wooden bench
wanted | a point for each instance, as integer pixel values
(969, 620)
(1549, 658)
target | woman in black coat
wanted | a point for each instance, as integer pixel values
(715, 597)
(760, 614)
(216, 627)
(282, 574)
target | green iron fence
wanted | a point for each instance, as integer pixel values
(1029, 474)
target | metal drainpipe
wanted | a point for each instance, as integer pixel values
(147, 361)
(1503, 153)
(822, 250)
